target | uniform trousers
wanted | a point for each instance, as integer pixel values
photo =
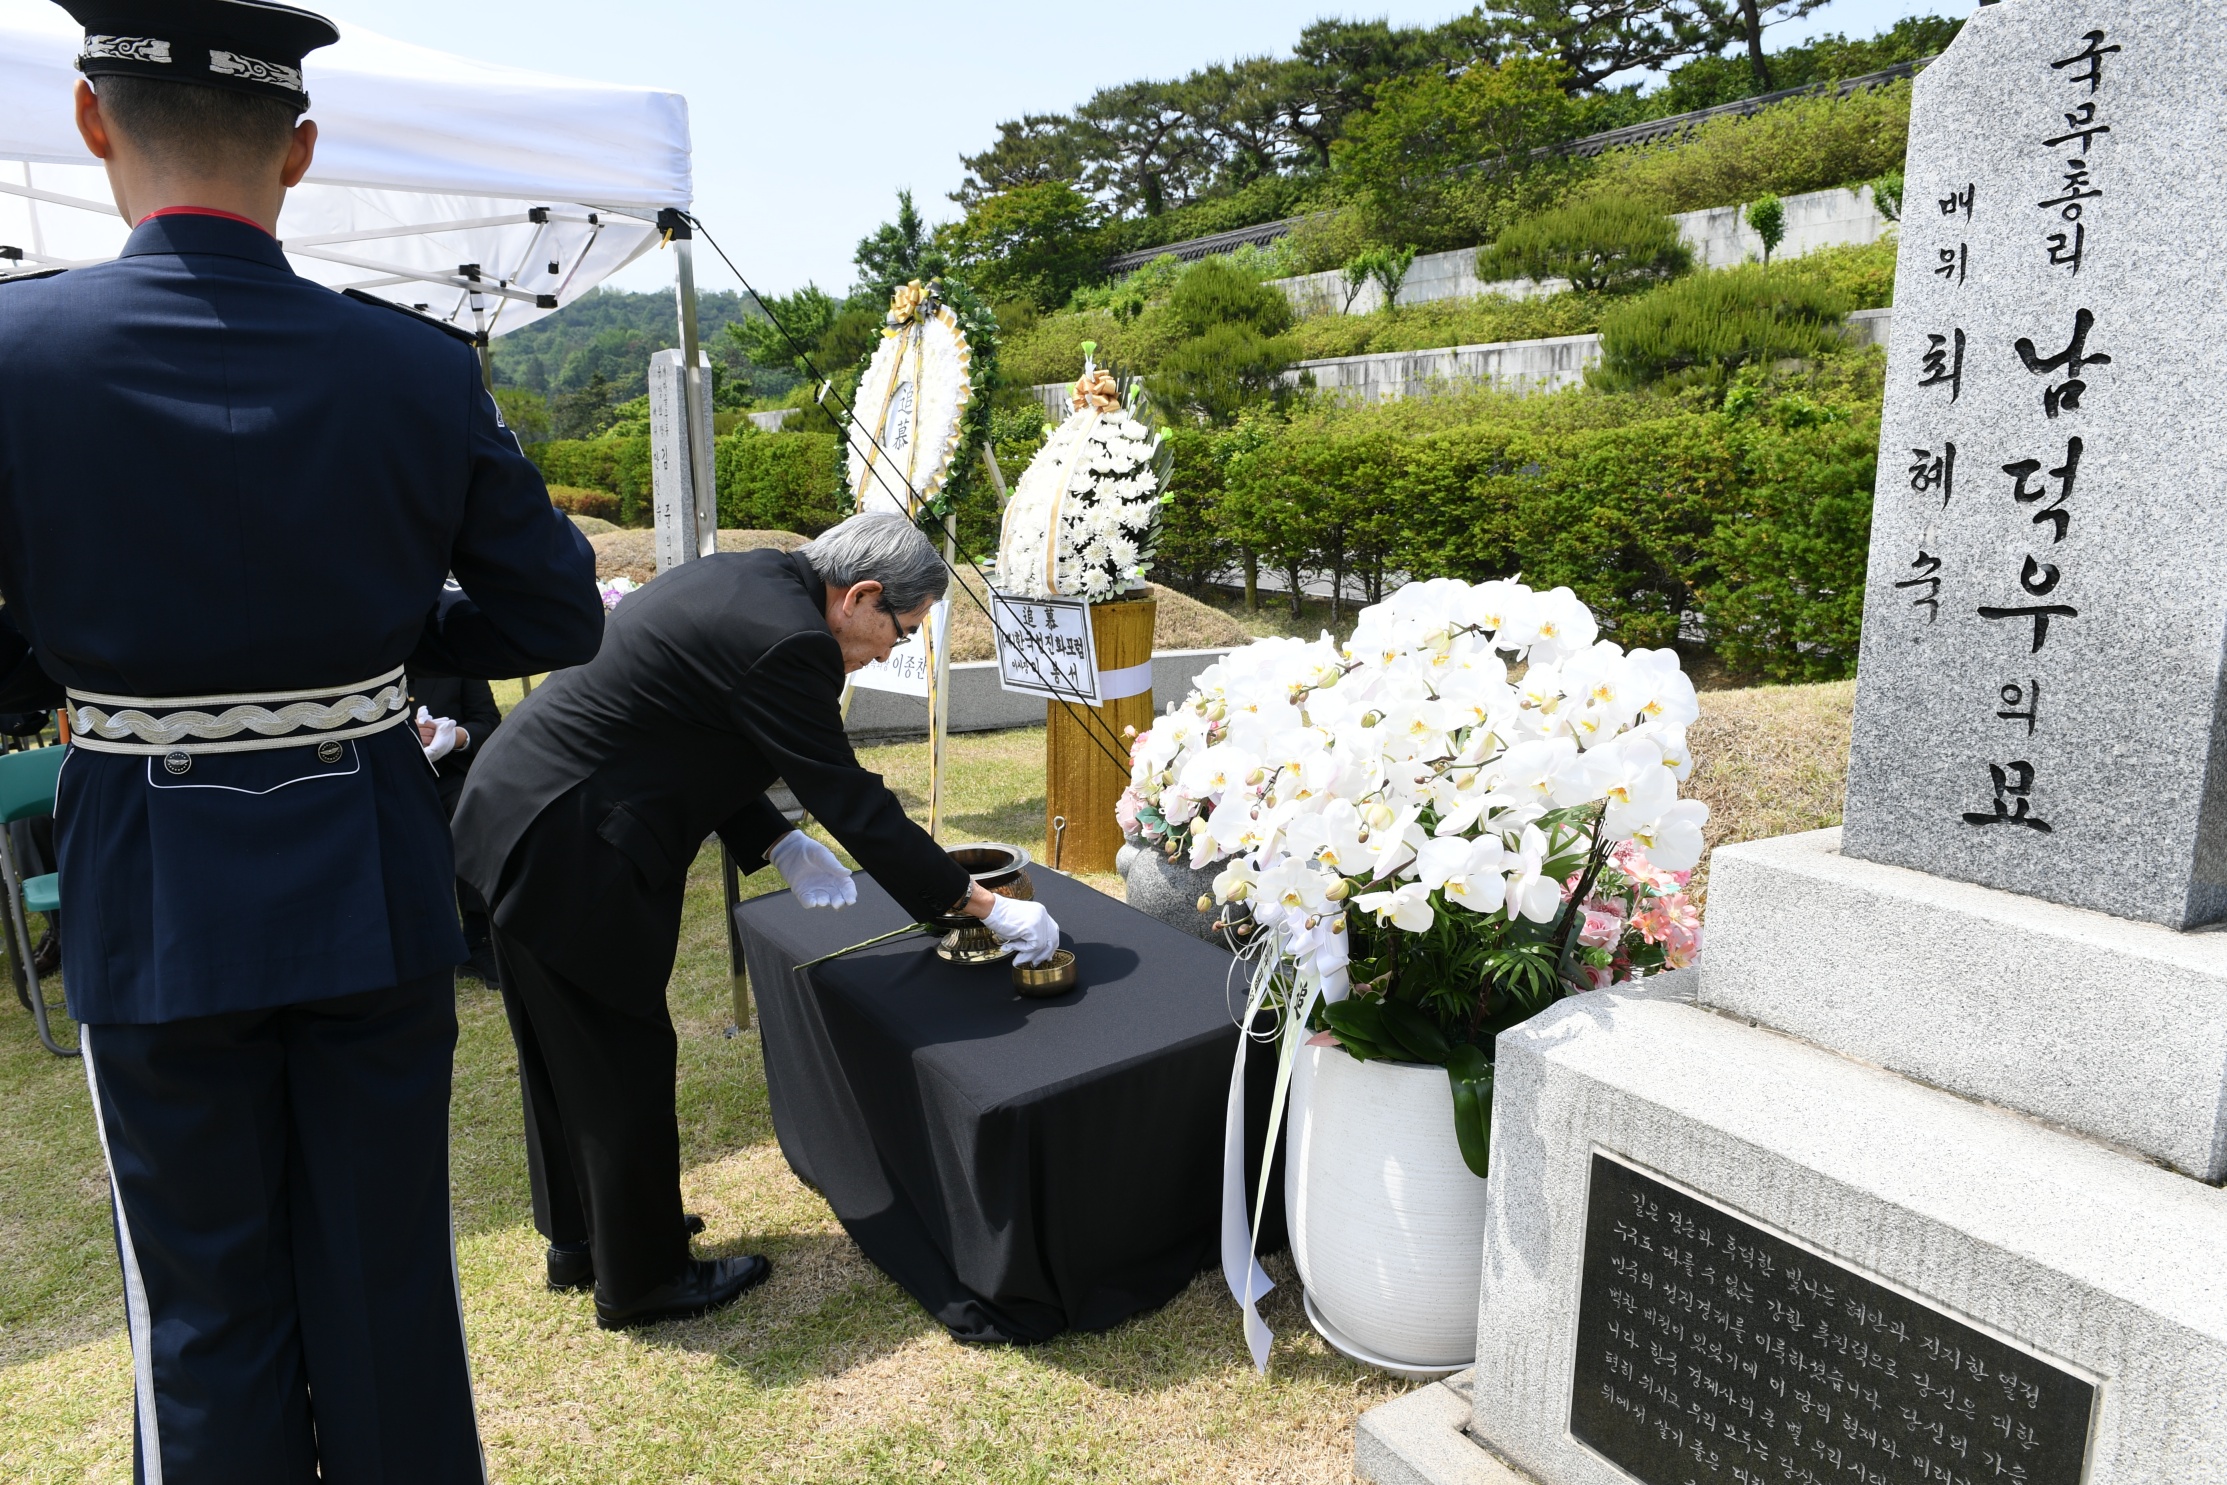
(602, 1136)
(281, 1198)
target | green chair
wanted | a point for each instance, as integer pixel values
(27, 783)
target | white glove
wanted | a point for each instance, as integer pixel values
(1026, 926)
(444, 736)
(812, 871)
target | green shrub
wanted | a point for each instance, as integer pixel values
(1714, 323)
(781, 481)
(1862, 274)
(1749, 519)
(1213, 294)
(577, 463)
(1768, 218)
(601, 504)
(1803, 144)
(1598, 245)
(1217, 374)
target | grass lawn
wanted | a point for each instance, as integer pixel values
(830, 1372)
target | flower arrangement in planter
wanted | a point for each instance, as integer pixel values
(1434, 846)
(1085, 516)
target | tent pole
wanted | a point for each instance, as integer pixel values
(939, 689)
(701, 474)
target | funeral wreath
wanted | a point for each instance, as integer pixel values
(1085, 516)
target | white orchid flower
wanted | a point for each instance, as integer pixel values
(1662, 691)
(1565, 626)
(1407, 907)
(1216, 770)
(1530, 893)
(1673, 841)
(1631, 778)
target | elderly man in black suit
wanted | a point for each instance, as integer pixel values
(578, 825)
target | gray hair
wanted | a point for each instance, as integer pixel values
(880, 547)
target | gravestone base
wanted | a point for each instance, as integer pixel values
(2095, 1262)
(1423, 1439)
(2107, 1026)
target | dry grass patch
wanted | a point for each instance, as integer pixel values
(1770, 761)
(623, 551)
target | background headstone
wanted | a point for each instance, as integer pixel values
(672, 478)
(2039, 696)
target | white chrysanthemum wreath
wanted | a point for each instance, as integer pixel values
(1086, 515)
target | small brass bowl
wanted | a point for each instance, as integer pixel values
(1055, 976)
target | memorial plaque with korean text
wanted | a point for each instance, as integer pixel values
(1710, 1349)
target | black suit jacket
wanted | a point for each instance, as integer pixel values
(471, 703)
(580, 819)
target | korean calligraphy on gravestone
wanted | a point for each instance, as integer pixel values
(1710, 1348)
(2051, 507)
(2010, 800)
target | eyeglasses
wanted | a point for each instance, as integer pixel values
(904, 635)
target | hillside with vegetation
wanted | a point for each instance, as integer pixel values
(1710, 488)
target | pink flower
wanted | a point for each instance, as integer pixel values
(1629, 859)
(1675, 923)
(1125, 812)
(1604, 925)
(1598, 977)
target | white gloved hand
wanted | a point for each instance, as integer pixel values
(812, 871)
(1026, 926)
(444, 736)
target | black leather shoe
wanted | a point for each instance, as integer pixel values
(704, 1285)
(572, 1266)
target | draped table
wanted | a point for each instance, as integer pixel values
(1020, 1167)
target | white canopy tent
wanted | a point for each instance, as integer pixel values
(485, 195)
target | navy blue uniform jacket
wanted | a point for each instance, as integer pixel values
(216, 476)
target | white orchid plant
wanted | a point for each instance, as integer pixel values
(1430, 847)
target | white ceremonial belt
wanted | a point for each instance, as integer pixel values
(238, 723)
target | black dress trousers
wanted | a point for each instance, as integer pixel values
(280, 1182)
(606, 1169)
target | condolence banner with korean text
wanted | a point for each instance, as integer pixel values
(1045, 647)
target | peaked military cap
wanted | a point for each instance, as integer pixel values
(247, 46)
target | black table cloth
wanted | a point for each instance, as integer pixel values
(1020, 1167)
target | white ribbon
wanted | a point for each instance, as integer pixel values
(1130, 680)
(1241, 1270)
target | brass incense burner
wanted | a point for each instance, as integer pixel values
(998, 868)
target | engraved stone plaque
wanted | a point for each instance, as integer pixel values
(1711, 1349)
(2039, 700)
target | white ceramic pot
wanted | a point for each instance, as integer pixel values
(1387, 1222)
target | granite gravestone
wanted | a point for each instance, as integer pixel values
(2039, 701)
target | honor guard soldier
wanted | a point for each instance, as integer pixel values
(229, 499)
